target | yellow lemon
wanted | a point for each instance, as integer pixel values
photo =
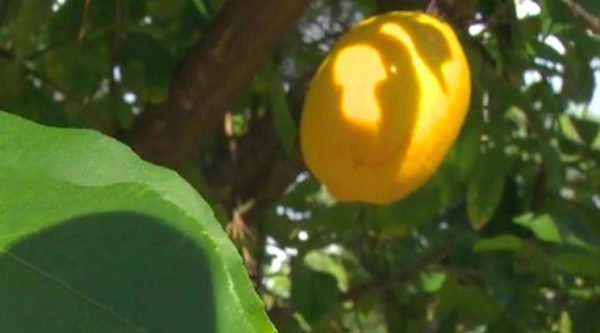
(385, 107)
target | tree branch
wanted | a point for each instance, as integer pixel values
(407, 277)
(243, 35)
(591, 20)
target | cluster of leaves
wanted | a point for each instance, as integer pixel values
(504, 238)
(517, 198)
(70, 63)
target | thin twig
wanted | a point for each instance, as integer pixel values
(592, 21)
(431, 6)
(82, 28)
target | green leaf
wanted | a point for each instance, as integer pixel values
(485, 189)
(204, 8)
(35, 104)
(367, 6)
(587, 129)
(578, 79)
(499, 243)
(465, 152)
(528, 257)
(32, 14)
(553, 166)
(155, 58)
(474, 306)
(564, 323)
(556, 14)
(165, 9)
(432, 282)
(77, 68)
(96, 240)
(421, 207)
(10, 73)
(65, 23)
(322, 262)
(578, 264)
(548, 228)
(284, 124)
(313, 293)
(543, 50)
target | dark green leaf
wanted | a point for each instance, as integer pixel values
(32, 14)
(474, 306)
(164, 9)
(485, 188)
(464, 155)
(578, 264)
(36, 105)
(421, 207)
(204, 8)
(156, 60)
(77, 69)
(284, 124)
(313, 293)
(499, 243)
(578, 79)
(587, 129)
(553, 166)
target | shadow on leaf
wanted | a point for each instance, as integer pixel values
(110, 272)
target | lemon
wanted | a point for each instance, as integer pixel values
(385, 107)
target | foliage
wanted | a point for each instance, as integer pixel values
(504, 238)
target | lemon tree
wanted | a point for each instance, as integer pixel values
(350, 166)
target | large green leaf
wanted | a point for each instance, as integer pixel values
(92, 239)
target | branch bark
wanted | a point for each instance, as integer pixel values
(243, 35)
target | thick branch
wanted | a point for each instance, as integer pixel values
(402, 280)
(243, 35)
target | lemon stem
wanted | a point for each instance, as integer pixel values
(431, 6)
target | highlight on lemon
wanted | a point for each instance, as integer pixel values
(385, 107)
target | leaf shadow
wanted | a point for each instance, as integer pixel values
(109, 272)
